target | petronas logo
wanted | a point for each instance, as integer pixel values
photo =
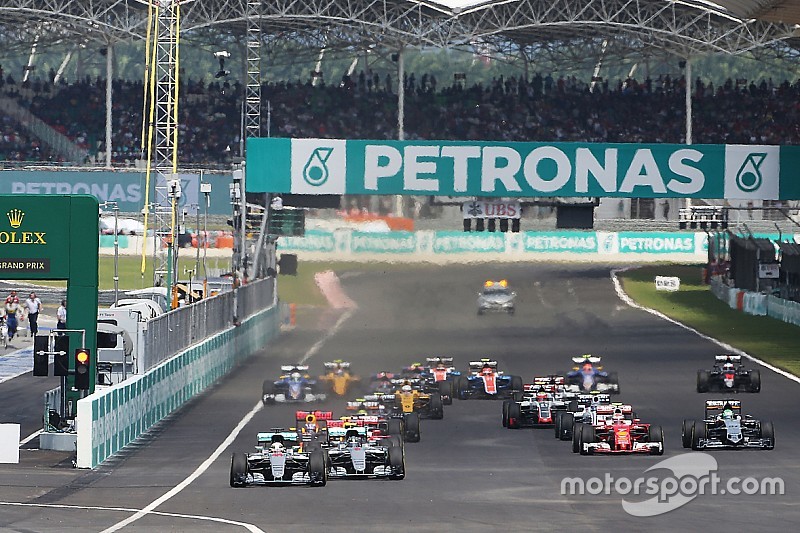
(315, 171)
(748, 177)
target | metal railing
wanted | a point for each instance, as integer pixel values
(173, 332)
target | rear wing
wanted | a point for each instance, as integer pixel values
(716, 406)
(728, 358)
(477, 365)
(588, 399)
(586, 359)
(279, 435)
(337, 364)
(548, 380)
(437, 360)
(609, 409)
(292, 368)
(318, 415)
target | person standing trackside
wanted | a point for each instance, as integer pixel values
(12, 306)
(34, 305)
(61, 315)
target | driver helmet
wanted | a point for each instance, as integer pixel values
(406, 388)
(728, 367)
(487, 369)
(311, 422)
(353, 439)
(276, 447)
(618, 416)
(541, 396)
(296, 375)
(727, 414)
(587, 366)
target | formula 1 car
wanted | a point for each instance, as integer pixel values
(279, 459)
(536, 409)
(621, 435)
(728, 374)
(598, 414)
(382, 383)
(338, 377)
(353, 453)
(410, 397)
(580, 410)
(390, 421)
(486, 382)
(496, 296)
(587, 376)
(725, 427)
(294, 385)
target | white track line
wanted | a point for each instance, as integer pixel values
(30, 437)
(727, 347)
(222, 447)
(127, 510)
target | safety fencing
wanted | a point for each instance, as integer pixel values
(453, 246)
(111, 418)
(757, 304)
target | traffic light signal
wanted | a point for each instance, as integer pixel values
(82, 359)
(515, 225)
(504, 225)
(492, 224)
(467, 224)
(479, 225)
(41, 350)
(61, 357)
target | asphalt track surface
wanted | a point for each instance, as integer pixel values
(468, 473)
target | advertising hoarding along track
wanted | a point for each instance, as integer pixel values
(521, 169)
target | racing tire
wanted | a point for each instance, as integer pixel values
(577, 427)
(656, 434)
(317, 471)
(394, 441)
(702, 381)
(462, 386)
(755, 381)
(587, 437)
(395, 427)
(267, 389)
(412, 433)
(446, 392)
(516, 383)
(572, 406)
(514, 415)
(557, 423)
(506, 403)
(517, 396)
(238, 470)
(768, 432)
(436, 407)
(398, 463)
(686, 433)
(567, 423)
(699, 432)
(613, 379)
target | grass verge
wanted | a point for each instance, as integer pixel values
(768, 339)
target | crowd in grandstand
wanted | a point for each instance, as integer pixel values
(364, 106)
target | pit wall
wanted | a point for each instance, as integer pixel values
(111, 418)
(457, 246)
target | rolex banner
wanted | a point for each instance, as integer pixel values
(516, 170)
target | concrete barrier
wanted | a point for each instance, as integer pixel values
(110, 419)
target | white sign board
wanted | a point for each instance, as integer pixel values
(491, 209)
(667, 283)
(9, 443)
(768, 271)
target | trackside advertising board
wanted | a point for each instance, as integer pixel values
(495, 169)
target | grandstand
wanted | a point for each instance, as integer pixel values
(46, 120)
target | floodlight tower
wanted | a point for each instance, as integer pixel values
(161, 119)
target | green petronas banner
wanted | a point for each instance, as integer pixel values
(519, 169)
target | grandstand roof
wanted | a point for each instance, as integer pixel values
(632, 27)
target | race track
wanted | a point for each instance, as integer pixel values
(468, 473)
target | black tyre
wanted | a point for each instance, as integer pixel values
(436, 407)
(397, 462)
(317, 471)
(656, 434)
(768, 432)
(446, 391)
(514, 415)
(573, 406)
(587, 437)
(702, 381)
(755, 381)
(412, 433)
(394, 441)
(698, 433)
(686, 433)
(238, 470)
(613, 379)
(557, 423)
(462, 386)
(516, 383)
(576, 436)
(395, 426)
(506, 403)
(567, 423)
(267, 388)
(517, 396)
